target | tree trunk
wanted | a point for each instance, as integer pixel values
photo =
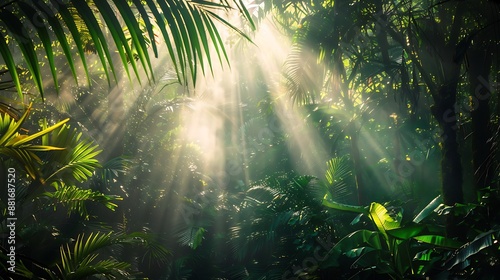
(451, 167)
(479, 71)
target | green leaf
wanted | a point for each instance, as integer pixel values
(356, 240)
(101, 46)
(75, 33)
(137, 37)
(16, 27)
(34, 17)
(17, 146)
(58, 30)
(406, 232)
(202, 32)
(75, 199)
(429, 209)
(439, 241)
(11, 65)
(80, 262)
(172, 12)
(76, 162)
(40, 133)
(481, 242)
(336, 173)
(343, 207)
(198, 238)
(149, 26)
(10, 127)
(382, 219)
(118, 36)
(160, 21)
(182, 47)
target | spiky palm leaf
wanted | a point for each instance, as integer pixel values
(75, 199)
(187, 26)
(76, 162)
(83, 259)
(113, 167)
(20, 147)
(301, 71)
(337, 172)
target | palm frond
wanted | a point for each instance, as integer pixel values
(84, 259)
(19, 147)
(80, 261)
(154, 252)
(304, 62)
(76, 162)
(188, 28)
(8, 105)
(75, 199)
(281, 209)
(337, 172)
(112, 168)
(110, 268)
(191, 236)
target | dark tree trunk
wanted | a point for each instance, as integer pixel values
(479, 71)
(451, 166)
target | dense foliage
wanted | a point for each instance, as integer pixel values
(343, 139)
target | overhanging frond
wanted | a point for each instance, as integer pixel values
(188, 28)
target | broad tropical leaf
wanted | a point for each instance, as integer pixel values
(439, 241)
(429, 209)
(482, 241)
(406, 232)
(328, 202)
(382, 219)
(357, 240)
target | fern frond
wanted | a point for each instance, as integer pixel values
(75, 198)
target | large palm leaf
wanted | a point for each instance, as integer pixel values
(84, 258)
(76, 162)
(20, 146)
(75, 199)
(188, 27)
